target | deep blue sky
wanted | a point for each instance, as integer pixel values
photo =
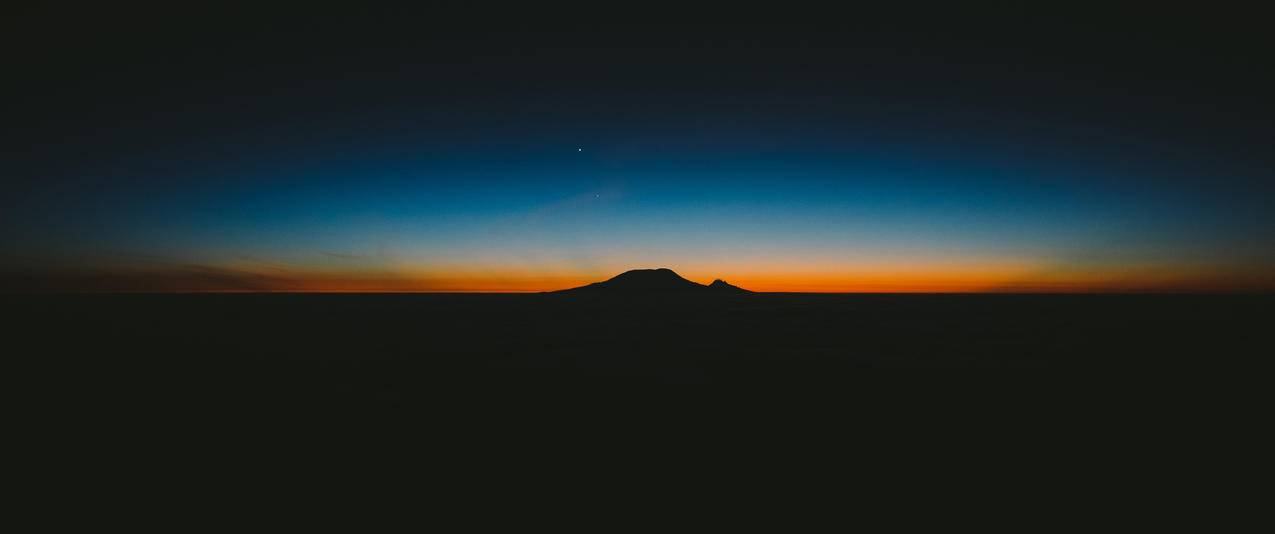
(432, 151)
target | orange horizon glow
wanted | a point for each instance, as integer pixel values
(949, 277)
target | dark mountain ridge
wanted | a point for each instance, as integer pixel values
(653, 281)
(725, 287)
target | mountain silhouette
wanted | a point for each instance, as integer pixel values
(721, 286)
(653, 281)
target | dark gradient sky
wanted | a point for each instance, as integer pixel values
(433, 151)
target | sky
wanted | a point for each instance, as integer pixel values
(1006, 151)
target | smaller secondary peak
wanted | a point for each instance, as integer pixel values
(722, 285)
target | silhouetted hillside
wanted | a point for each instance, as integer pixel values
(721, 286)
(652, 281)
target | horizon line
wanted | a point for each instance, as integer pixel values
(480, 292)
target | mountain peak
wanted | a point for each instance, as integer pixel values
(653, 281)
(661, 279)
(722, 285)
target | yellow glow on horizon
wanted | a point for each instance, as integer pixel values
(935, 276)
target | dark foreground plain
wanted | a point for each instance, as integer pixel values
(385, 347)
(487, 393)
(222, 382)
